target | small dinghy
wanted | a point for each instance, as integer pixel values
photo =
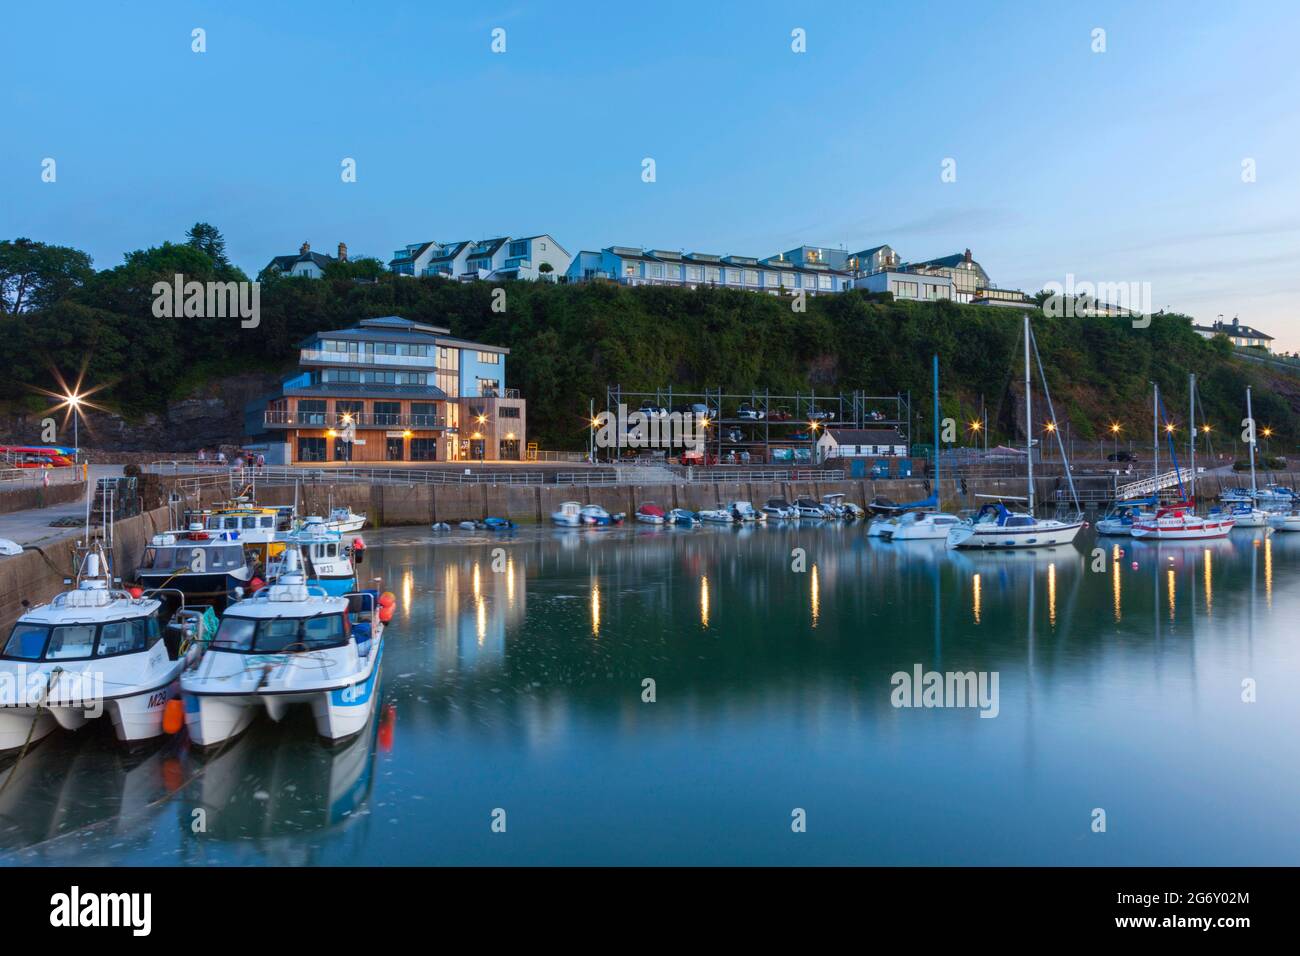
(1119, 518)
(718, 516)
(650, 514)
(499, 524)
(94, 651)
(289, 644)
(683, 517)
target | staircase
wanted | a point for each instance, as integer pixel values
(1149, 486)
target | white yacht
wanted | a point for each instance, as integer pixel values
(920, 526)
(995, 526)
(92, 651)
(290, 643)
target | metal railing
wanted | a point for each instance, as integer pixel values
(360, 419)
(1148, 486)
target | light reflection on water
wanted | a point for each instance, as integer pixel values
(517, 684)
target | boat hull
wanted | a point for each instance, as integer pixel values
(976, 538)
(339, 711)
(135, 717)
(1186, 531)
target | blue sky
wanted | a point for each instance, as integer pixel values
(1122, 166)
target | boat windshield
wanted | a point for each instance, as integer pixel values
(64, 642)
(275, 635)
(210, 558)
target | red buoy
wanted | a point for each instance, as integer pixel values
(135, 591)
(173, 716)
(387, 599)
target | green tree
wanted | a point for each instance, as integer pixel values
(34, 275)
(208, 239)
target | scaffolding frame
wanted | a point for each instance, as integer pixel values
(849, 410)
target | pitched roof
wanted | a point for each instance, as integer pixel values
(1239, 330)
(285, 263)
(867, 436)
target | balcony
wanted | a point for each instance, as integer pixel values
(499, 393)
(275, 418)
(319, 356)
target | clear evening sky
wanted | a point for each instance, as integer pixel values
(1122, 166)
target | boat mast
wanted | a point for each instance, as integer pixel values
(1191, 400)
(936, 429)
(1250, 417)
(1029, 421)
(1155, 441)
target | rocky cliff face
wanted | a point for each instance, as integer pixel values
(212, 416)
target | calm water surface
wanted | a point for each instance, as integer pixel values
(514, 679)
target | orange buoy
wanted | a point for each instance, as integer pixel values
(385, 615)
(387, 599)
(135, 591)
(173, 716)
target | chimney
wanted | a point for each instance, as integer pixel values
(343, 252)
(304, 248)
(968, 259)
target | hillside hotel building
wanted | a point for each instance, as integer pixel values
(392, 390)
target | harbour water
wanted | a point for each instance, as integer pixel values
(514, 692)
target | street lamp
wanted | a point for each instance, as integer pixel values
(73, 402)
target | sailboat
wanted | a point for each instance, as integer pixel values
(1247, 514)
(997, 526)
(916, 520)
(1180, 522)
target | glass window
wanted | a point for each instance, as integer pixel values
(324, 631)
(235, 634)
(276, 634)
(123, 637)
(71, 640)
(27, 642)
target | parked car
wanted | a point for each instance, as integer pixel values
(748, 412)
(1121, 456)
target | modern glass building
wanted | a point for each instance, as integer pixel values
(391, 390)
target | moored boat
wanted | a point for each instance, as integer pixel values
(569, 515)
(651, 514)
(682, 517)
(745, 512)
(288, 644)
(1118, 519)
(1284, 521)
(921, 526)
(717, 516)
(1179, 523)
(596, 515)
(94, 650)
(780, 508)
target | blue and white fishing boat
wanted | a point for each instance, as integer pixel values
(290, 643)
(329, 562)
(682, 517)
(598, 516)
(569, 515)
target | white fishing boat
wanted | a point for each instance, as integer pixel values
(1274, 494)
(344, 520)
(329, 562)
(1180, 523)
(745, 512)
(921, 526)
(94, 650)
(569, 515)
(717, 516)
(288, 644)
(996, 526)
